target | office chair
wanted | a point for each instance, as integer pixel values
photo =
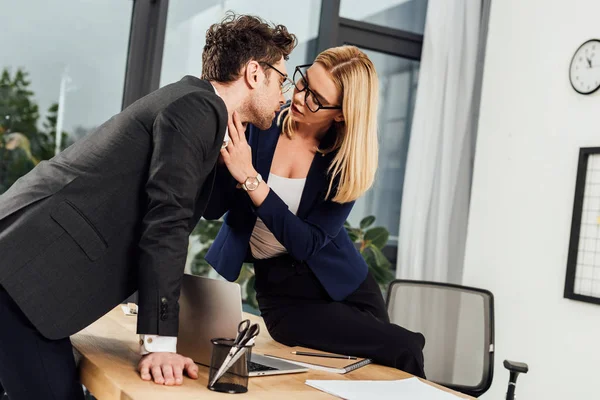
(458, 325)
(515, 369)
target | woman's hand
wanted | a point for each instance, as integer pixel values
(238, 154)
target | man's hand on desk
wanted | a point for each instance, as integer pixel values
(167, 368)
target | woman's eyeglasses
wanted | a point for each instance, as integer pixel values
(311, 99)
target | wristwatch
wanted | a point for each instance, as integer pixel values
(251, 183)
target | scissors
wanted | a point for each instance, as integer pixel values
(242, 331)
(247, 332)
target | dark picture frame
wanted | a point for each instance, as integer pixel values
(574, 244)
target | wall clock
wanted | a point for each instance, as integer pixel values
(584, 71)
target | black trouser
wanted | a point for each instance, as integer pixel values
(298, 312)
(31, 366)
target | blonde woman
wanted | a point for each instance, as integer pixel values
(291, 187)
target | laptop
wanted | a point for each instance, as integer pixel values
(211, 308)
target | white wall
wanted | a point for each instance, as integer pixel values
(531, 127)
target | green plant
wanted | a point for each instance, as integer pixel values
(19, 115)
(206, 232)
(19, 112)
(247, 279)
(370, 242)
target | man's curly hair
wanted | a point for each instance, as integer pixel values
(238, 39)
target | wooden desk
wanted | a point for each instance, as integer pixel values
(109, 357)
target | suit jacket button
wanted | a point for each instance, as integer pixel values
(163, 300)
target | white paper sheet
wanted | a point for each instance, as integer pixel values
(411, 388)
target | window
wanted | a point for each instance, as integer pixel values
(406, 15)
(187, 22)
(390, 33)
(71, 53)
(397, 91)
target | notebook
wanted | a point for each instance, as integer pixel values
(336, 365)
(411, 388)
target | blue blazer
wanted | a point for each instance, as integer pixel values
(315, 235)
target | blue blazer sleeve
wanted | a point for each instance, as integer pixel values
(303, 238)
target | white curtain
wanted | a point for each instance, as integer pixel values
(433, 218)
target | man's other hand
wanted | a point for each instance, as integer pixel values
(166, 368)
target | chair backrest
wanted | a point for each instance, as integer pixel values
(458, 325)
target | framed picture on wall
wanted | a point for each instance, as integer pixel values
(583, 263)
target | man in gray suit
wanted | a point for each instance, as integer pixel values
(112, 214)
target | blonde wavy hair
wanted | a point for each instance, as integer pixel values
(355, 164)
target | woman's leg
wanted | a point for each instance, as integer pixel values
(342, 328)
(368, 297)
(298, 312)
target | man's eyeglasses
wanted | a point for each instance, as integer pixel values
(311, 98)
(286, 84)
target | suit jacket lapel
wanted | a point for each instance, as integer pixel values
(316, 181)
(315, 185)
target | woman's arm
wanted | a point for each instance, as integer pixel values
(301, 238)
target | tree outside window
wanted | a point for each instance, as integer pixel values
(23, 142)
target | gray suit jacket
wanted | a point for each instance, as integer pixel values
(112, 214)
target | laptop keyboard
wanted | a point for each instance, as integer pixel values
(254, 367)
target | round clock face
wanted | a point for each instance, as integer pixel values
(585, 67)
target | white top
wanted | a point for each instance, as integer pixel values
(262, 243)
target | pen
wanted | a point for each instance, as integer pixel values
(304, 353)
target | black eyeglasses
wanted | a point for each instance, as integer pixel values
(311, 99)
(287, 84)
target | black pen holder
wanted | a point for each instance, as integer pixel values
(235, 380)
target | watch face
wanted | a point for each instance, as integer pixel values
(585, 67)
(251, 183)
